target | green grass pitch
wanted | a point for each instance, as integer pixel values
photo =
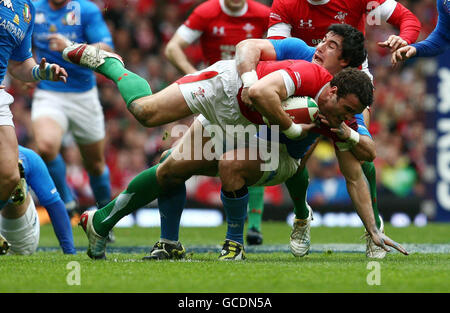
(263, 272)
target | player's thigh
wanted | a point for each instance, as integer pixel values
(48, 135)
(187, 158)
(85, 115)
(165, 106)
(49, 121)
(9, 156)
(240, 166)
(277, 168)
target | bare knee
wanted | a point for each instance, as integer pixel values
(231, 174)
(169, 177)
(145, 111)
(95, 167)
(47, 149)
(9, 179)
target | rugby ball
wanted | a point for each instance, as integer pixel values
(302, 110)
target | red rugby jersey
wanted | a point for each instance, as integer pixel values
(310, 21)
(222, 31)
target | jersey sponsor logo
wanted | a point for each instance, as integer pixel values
(39, 18)
(16, 19)
(70, 19)
(26, 13)
(248, 29)
(340, 16)
(200, 92)
(219, 31)
(53, 28)
(305, 23)
(8, 4)
(12, 29)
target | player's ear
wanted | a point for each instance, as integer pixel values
(333, 90)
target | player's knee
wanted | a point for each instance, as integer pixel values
(9, 179)
(95, 167)
(230, 169)
(145, 113)
(48, 150)
(168, 177)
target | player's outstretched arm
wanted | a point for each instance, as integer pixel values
(29, 71)
(359, 193)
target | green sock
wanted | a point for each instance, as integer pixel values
(143, 189)
(297, 186)
(255, 206)
(370, 173)
(131, 86)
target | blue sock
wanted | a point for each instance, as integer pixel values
(170, 209)
(61, 225)
(57, 170)
(101, 187)
(236, 213)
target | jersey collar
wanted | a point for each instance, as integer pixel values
(318, 2)
(231, 13)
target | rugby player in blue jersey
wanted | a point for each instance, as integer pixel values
(436, 43)
(72, 107)
(22, 233)
(16, 27)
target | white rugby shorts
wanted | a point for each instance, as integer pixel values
(80, 113)
(6, 117)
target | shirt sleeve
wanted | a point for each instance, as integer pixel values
(95, 28)
(308, 78)
(23, 51)
(39, 178)
(439, 40)
(292, 48)
(278, 13)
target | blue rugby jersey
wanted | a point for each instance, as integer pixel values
(439, 40)
(80, 21)
(16, 27)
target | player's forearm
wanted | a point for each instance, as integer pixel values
(22, 70)
(249, 52)
(174, 53)
(407, 22)
(365, 149)
(357, 189)
(266, 95)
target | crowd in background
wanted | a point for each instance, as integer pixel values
(141, 29)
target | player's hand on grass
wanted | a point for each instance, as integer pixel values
(58, 42)
(394, 42)
(384, 241)
(403, 54)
